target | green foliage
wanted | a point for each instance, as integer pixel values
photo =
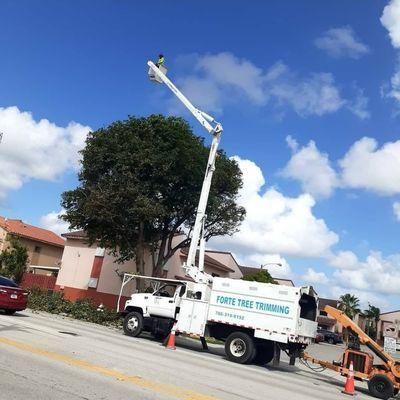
(350, 305)
(260, 276)
(83, 309)
(140, 183)
(372, 314)
(14, 260)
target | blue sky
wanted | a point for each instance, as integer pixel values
(308, 93)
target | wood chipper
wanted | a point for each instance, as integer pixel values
(383, 379)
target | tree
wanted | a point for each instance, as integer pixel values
(260, 276)
(350, 305)
(139, 186)
(373, 315)
(14, 260)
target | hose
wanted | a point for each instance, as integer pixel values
(315, 369)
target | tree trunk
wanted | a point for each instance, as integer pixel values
(140, 256)
(159, 262)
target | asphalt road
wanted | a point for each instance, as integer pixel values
(49, 357)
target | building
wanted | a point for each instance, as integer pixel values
(327, 322)
(91, 272)
(44, 247)
(253, 270)
(324, 320)
(389, 325)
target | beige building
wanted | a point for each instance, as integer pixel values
(389, 325)
(44, 247)
(90, 271)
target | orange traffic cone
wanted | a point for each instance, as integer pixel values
(349, 386)
(171, 339)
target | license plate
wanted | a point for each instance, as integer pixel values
(14, 296)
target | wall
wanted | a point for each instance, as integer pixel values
(386, 320)
(49, 255)
(3, 234)
(228, 260)
(76, 264)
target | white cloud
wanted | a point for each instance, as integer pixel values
(312, 276)
(365, 296)
(52, 222)
(396, 210)
(276, 265)
(33, 149)
(223, 78)
(359, 106)
(342, 42)
(316, 94)
(368, 167)
(391, 21)
(276, 224)
(311, 168)
(344, 260)
(376, 274)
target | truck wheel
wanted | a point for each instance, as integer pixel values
(264, 353)
(239, 348)
(381, 386)
(133, 324)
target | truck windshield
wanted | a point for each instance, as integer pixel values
(165, 291)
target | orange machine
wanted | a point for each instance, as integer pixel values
(383, 379)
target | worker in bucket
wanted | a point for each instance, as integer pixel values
(160, 61)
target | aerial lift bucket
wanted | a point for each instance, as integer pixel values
(154, 77)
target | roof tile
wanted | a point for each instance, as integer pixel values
(20, 228)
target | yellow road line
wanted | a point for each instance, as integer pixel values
(161, 388)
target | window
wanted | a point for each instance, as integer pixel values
(214, 275)
(7, 282)
(165, 291)
(323, 313)
(37, 249)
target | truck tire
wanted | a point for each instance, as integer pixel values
(240, 348)
(264, 353)
(133, 324)
(381, 387)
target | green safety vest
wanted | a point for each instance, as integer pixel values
(160, 61)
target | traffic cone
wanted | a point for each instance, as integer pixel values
(349, 386)
(171, 339)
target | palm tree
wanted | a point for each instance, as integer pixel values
(373, 316)
(350, 305)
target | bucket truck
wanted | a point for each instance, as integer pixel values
(255, 320)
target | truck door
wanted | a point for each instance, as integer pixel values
(163, 301)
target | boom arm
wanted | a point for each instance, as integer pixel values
(197, 272)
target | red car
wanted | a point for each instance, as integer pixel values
(12, 297)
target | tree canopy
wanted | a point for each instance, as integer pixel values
(350, 305)
(140, 183)
(14, 260)
(373, 315)
(260, 276)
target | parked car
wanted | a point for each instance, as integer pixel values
(330, 337)
(319, 338)
(12, 297)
